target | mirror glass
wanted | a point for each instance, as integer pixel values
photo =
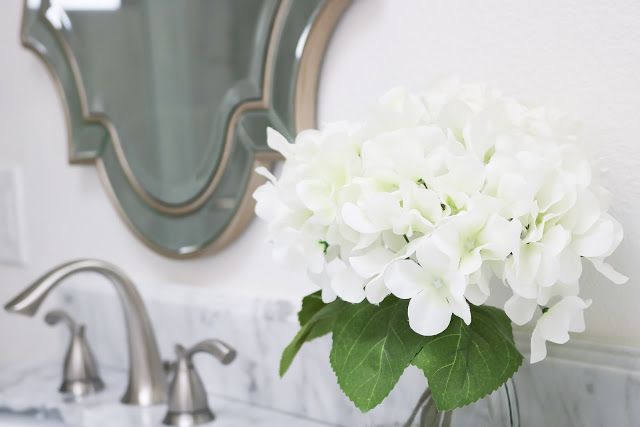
(171, 101)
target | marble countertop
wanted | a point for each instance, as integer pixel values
(32, 391)
(581, 383)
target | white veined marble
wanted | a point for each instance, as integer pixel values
(32, 391)
(580, 384)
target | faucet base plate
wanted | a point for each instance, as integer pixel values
(188, 419)
(79, 388)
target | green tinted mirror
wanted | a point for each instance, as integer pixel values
(171, 100)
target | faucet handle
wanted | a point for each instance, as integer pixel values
(80, 372)
(188, 404)
(218, 349)
(56, 316)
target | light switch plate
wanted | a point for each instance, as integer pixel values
(12, 244)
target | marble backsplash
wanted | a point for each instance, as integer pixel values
(579, 384)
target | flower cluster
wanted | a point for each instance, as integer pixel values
(436, 194)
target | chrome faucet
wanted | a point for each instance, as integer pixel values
(188, 405)
(80, 375)
(147, 380)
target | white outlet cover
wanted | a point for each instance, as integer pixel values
(12, 242)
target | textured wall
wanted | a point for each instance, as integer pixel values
(578, 56)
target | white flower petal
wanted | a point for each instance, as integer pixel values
(521, 270)
(617, 235)
(483, 276)
(328, 295)
(584, 213)
(322, 280)
(314, 194)
(426, 202)
(555, 240)
(608, 271)
(460, 308)
(355, 218)
(434, 260)
(560, 289)
(558, 334)
(554, 325)
(372, 262)
(376, 290)
(548, 272)
(412, 247)
(475, 295)
(381, 209)
(570, 266)
(366, 240)
(520, 310)
(342, 235)
(576, 322)
(500, 237)
(314, 254)
(288, 249)
(393, 241)
(551, 191)
(456, 283)
(405, 278)
(277, 142)
(261, 170)
(345, 282)
(454, 115)
(429, 313)
(412, 221)
(538, 346)
(595, 242)
(518, 192)
(447, 239)
(470, 262)
(267, 203)
(466, 175)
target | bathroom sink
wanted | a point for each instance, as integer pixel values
(11, 420)
(29, 398)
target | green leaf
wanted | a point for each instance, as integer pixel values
(310, 306)
(372, 346)
(467, 362)
(318, 324)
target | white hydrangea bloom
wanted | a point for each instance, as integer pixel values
(435, 286)
(433, 196)
(554, 325)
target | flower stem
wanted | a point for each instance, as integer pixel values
(425, 396)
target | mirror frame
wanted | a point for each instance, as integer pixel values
(93, 139)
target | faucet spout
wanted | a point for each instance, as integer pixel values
(147, 381)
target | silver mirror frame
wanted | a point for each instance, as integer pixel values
(93, 139)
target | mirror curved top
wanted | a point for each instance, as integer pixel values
(171, 101)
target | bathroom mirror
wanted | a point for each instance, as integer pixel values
(171, 100)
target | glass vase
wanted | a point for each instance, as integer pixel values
(498, 409)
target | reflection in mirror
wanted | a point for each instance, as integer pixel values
(171, 101)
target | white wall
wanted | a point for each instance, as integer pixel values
(579, 56)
